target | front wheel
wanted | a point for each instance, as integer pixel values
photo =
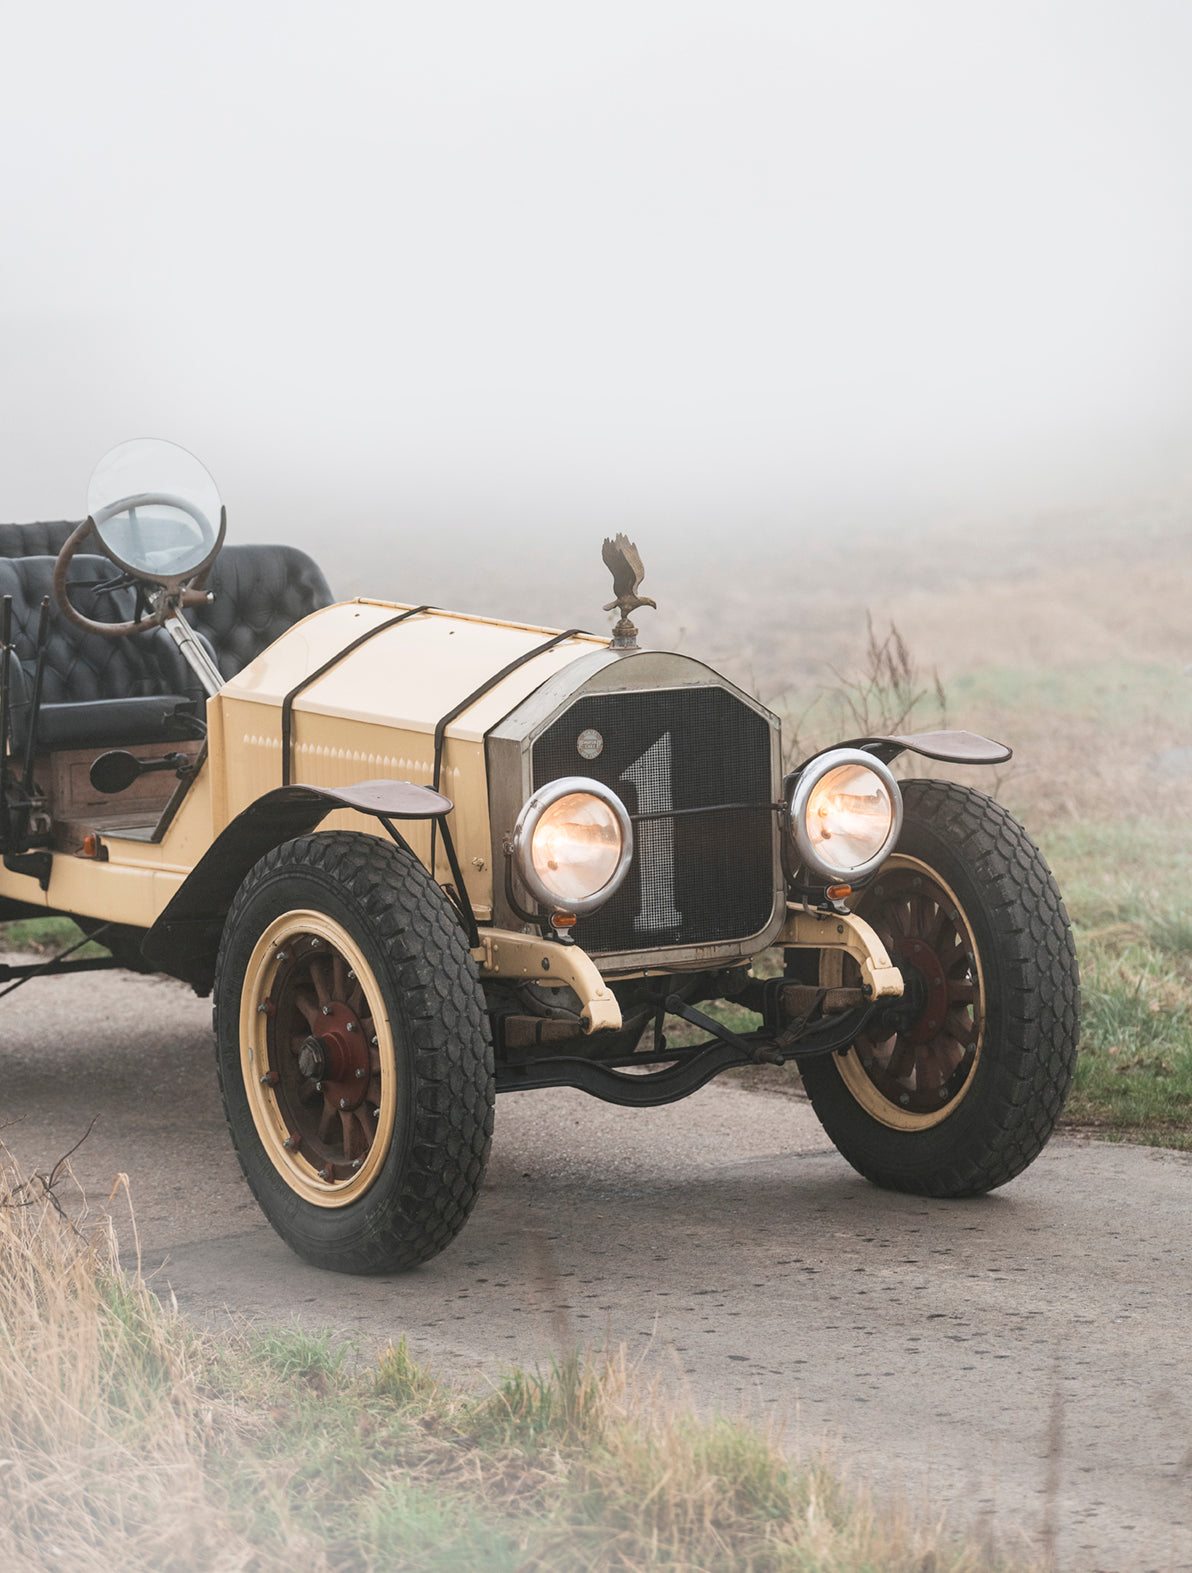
(955, 1089)
(354, 1053)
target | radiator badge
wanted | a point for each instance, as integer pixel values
(589, 744)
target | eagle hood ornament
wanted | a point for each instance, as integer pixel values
(625, 565)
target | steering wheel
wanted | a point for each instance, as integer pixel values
(184, 589)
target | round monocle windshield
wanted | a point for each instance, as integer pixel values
(156, 509)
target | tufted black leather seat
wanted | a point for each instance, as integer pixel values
(44, 539)
(96, 691)
(260, 591)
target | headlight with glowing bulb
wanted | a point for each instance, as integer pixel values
(845, 815)
(572, 844)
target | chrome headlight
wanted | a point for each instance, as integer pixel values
(572, 844)
(846, 812)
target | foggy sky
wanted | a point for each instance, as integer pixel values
(468, 276)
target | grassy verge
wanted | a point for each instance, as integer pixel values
(129, 1440)
(45, 937)
(1126, 887)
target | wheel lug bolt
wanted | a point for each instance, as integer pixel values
(270, 1079)
(373, 1040)
(361, 1074)
(351, 976)
(266, 1008)
(326, 1010)
(376, 1114)
(343, 1103)
(318, 1086)
(314, 944)
(283, 955)
(326, 1174)
(352, 1027)
(291, 1143)
(356, 1162)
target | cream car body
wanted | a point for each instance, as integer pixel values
(342, 853)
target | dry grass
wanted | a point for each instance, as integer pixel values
(128, 1441)
(101, 1424)
(883, 692)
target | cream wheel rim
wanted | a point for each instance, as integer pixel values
(317, 1057)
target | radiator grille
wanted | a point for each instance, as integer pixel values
(696, 878)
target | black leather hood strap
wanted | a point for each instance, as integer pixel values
(287, 704)
(466, 704)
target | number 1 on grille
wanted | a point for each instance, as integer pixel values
(650, 776)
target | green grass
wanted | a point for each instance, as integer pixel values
(45, 937)
(1134, 870)
(300, 1356)
(1108, 694)
(1126, 887)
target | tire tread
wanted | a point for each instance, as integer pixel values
(444, 1017)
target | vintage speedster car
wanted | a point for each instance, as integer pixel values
(422, 857)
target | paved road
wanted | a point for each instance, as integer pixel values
(1022, 1359)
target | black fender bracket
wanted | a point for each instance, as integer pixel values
(185, 939)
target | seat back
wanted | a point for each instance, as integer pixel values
(44, 539)
(260, 591)
(96, 692)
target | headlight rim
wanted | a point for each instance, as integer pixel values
(809, 777)
(521, 841)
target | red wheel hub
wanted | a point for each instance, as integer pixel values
(920, 956)
(337, 1057)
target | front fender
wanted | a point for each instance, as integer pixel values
(956, 748)
(185, 939)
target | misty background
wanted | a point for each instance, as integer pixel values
(805, 298)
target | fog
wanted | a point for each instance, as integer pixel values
(428, 286)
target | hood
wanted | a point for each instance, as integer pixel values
(408, 676)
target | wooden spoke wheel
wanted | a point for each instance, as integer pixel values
(955, 1088)
(917, 1061)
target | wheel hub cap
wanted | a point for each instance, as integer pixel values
(928, 991)
(337, 1057)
